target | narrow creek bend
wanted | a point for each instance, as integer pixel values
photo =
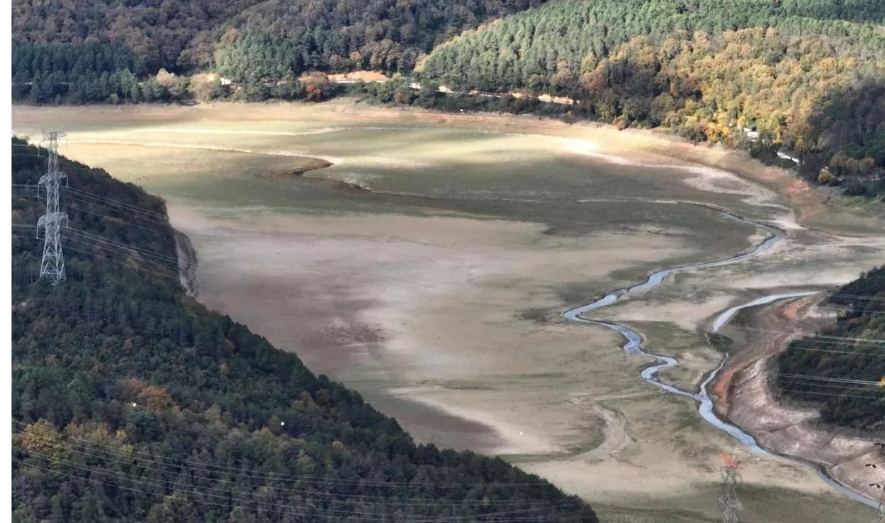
(705, 404)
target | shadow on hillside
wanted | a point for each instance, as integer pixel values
(848, 137)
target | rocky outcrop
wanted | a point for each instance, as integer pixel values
(187, 264)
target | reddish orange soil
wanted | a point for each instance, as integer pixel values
(773, 328)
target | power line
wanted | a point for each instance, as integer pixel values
(836, 387)
(857, 296)
(195, 473)
(831, 351)
(128, 224)
(108, 209)
(112, 260)
(824, 382)
(110, 201)
(158, 265)
(163, 262)
(127, 212)
(291, 477)
(849, 381)
(859, 396)
(827, 339)
(812, 338)
(85, 196)
(203, 490)
(230, 499)
(120, 245)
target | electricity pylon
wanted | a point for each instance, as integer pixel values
(729, 504)
(53, 264)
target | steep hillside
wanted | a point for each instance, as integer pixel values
(569, 38)
(160, 33)
(280, 36)
(131, 402)
(839, 368)
(113, 51)
(807, 75)
(329, 35)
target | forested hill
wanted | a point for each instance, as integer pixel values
(131, 402)
(807, 75)
(842, 369)
(328, 35)
(284, 36)
(804, 76)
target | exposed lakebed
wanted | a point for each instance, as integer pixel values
(651, 374)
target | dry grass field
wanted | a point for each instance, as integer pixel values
(428, 267)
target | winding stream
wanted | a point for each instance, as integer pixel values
(651, 374)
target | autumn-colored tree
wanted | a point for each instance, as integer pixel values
(44, 439)
(156, 398)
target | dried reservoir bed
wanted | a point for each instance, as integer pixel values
(425, 260)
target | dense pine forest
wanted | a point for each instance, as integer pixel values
(281, 36)
(247, 39)
(805, 76)
(131, 402)
(839, 368)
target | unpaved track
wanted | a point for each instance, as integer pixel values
(615, 435)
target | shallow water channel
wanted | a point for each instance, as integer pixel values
(705, 404)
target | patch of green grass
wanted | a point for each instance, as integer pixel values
(742, 318)
(688, 420)
(612, 514)
(720, 343)
(592, 436)
(580, 293)
(536, 315)
(537, 376)
(465, 385)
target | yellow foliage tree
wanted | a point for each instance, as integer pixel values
(42, 438)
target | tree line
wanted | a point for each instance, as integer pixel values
(111, 73)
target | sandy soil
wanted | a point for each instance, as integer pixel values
(452, 325)
(391, 302)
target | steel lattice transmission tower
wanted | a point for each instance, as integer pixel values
(53, 264)
(729, 504)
